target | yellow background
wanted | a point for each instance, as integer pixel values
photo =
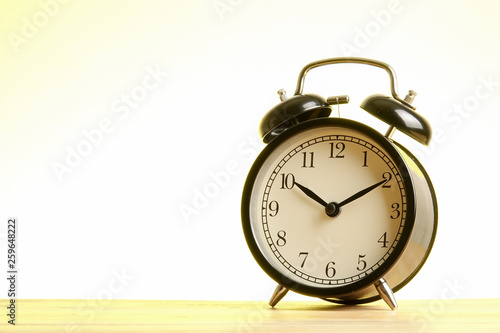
(119, 210)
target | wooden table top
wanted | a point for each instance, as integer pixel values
(72, 316)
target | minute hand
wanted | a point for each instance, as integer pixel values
(361, 193)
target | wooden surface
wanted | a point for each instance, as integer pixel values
(469, 316)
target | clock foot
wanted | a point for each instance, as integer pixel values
(278, 294)
(386, 293)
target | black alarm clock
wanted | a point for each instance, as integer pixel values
(332, 208)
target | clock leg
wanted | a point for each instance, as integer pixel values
(278, 294)
(386, 293)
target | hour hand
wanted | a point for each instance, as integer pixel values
(311, 194)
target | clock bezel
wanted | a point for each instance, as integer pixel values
(334, 290)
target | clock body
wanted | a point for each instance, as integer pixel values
(331, 207)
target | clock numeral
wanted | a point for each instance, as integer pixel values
(361, 262)
(383, 240)
(340, 146)
(365, 158)
(308, 162)
(387, 176)
(274, 208)
(396, 212)
(305, 254)
(287, 181)
(330, 270)
(281, 238)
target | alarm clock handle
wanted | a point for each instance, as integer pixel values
(354, 60)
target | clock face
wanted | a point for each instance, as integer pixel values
(328, 207)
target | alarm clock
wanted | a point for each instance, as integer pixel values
(334, 209)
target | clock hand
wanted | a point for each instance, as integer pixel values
(361, 193)
(311, 194)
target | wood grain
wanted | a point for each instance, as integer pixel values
(479, 315)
